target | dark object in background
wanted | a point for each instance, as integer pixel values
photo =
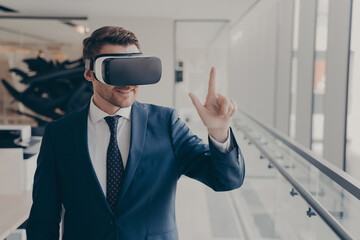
(8, 137)
(178, 76)
(38, 131)
(179, 72)
(55, 89)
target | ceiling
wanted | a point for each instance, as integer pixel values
(43, 32)
(54, 33)
(184, 9)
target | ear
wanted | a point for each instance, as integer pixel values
(88, 75)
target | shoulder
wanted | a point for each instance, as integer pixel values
(156, 112)
(67, 121)
(153, 109)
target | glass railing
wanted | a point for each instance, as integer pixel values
(290, 194)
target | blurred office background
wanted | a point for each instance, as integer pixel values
(292, 66)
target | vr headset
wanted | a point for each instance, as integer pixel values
(124, 69)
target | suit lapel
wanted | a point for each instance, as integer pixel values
(139, 117)
(80, 136)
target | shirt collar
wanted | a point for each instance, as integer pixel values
(96, 114)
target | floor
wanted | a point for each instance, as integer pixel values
(262, 208)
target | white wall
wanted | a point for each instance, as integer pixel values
(284, 65)
(200, 45)
(156, 38)
(253, 61)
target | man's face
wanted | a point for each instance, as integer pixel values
(118, 96)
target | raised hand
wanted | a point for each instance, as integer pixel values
(217, 112)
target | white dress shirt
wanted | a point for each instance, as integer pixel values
(99, 138)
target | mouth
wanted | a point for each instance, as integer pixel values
(124, 92)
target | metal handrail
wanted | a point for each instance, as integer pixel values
(314, 203)
(346, 181)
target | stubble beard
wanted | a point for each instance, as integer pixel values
(111, 97)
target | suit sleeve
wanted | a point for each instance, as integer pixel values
(220, 171)
(45, 214)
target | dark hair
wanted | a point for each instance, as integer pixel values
(107, 35)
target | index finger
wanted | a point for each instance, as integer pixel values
(212, 85)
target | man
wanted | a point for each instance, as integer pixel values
(114, 165)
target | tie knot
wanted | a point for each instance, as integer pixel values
(112, 121)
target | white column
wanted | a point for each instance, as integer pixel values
(305, 76)
(337, 81)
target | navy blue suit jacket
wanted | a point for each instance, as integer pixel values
(162, 148)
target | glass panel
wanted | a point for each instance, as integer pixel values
(353, 111)
(341, 204)
(272, 209)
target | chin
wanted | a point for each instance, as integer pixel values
(120, 98)
(124, 103)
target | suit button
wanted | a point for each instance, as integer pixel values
(112, 222)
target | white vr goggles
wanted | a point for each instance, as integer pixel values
(125, 69)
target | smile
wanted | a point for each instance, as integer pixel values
(125, 92)
(122, 91)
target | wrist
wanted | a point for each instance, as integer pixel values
(219, 134)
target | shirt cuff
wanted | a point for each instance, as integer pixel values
(222, 147)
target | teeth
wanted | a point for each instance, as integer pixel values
(124, 91)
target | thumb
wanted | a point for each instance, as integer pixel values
(196, 101)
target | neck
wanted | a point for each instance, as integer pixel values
(104, 105)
